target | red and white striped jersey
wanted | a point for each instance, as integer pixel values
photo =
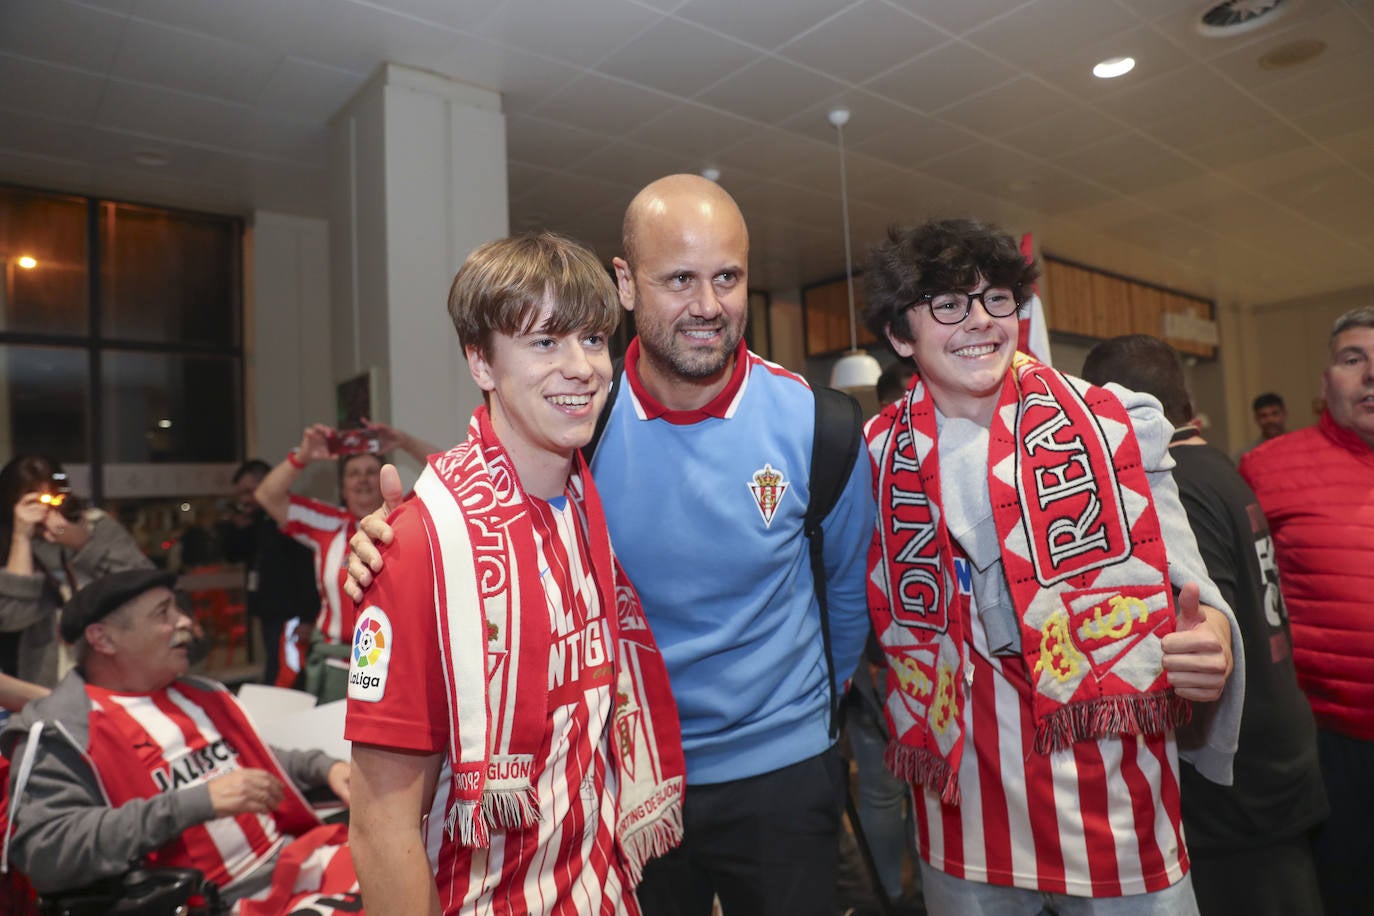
(567, 863)
(180, 746)
(325, 529)
(1099, 819)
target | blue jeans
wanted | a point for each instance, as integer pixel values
(950, 896)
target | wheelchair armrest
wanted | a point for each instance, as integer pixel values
(149, 891)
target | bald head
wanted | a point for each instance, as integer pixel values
(677, 202)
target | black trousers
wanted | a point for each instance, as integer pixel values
(767, 845)
(1344, 846)
(1274, 880)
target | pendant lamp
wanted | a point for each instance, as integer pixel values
(856, 369)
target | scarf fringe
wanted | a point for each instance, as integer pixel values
(470, 830)
(511, 809)
(1126, 714)
(654, 840)
(923, 766)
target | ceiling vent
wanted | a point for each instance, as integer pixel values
(1236, 17)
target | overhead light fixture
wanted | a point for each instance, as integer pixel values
(711, 173)
(1113, 67)
(856, 369)
(164, 423)
(27, 262)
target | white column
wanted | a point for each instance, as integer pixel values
(419, 182)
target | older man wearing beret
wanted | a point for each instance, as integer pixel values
(131, 762)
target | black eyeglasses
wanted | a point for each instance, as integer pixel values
(953, 306)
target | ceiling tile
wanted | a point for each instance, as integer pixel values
(1051, 135)
(62, 33)
(268, 24)
(358, 38)
(307, 92)
(1047, 191)
(600, 103)
(457, 14)
(523, 79)
(863, 41)
(1260, 173)
(1338, 28)
(548, 143)
(768, 151)
(694, 130)
(1047, 29)
(632, 165)
(29, 86)
(941, 77)
(957, 18)
(1191, 88)
(577, 33)
(978, 166)
(769, 90)
(763, 24)
(1343, 78)
(1154, 56)
(869, 116)
(677, 57)
(1329, 119)
(1127, 162)
(1189, 126)
(189, 62)
(159, 113)
(918, 139)
(1000, 110)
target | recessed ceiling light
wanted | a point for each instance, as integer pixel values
(27, 262)
(1113, 67)
(152, 158)
(164, 423)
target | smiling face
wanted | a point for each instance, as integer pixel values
(687, 286)
(546, 391)
(1348, 383)
(1272, 420)
(362, 484)
(964, 364)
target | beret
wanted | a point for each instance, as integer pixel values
(105, 595)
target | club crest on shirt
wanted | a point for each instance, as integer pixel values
(767, 487)
(371, 656)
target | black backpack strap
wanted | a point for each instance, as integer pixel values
(617, 369)
(834, 449)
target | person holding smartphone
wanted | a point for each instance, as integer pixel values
(325, 529)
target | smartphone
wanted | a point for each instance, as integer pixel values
(56, 492)
(353, 442)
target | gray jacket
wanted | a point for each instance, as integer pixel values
(28, 604)
(63, 832)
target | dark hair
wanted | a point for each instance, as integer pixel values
(1268, 399)
(1146, 364)
(23, 474)
(893, 381)
(936, 256)
(254, 466)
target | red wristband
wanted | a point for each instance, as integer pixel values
(295, 460)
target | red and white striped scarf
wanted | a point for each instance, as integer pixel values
(1083, 557)
(493, 621)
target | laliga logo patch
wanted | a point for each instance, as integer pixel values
(371, 656)
(768, 487)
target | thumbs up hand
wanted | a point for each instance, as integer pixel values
(1197, 655)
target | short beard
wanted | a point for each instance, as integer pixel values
(691, 364)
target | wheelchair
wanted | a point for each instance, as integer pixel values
(141, 891)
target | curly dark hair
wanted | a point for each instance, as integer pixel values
(935, 256)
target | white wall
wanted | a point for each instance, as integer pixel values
(288, 363)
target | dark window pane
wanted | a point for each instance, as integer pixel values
(168, 276)
(46, 397)
(43, 261)
(167, 407)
